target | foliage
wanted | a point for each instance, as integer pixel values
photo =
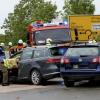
(73, 7)
(24, 13)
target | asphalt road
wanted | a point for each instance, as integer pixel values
(55, 90)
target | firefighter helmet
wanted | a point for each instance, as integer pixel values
(2, 44)
(20, 41)
(10, 43)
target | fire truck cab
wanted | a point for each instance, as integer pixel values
(39, 32)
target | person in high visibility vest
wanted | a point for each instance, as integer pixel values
(5, 81)
(20, 45)
(48, 42)
(7, 64)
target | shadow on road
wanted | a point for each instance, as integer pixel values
(45, 83)
(59, 82)
(88, 84)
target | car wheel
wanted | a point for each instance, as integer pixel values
(68, 83)
(36, 77)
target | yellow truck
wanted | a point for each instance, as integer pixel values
(84, 27)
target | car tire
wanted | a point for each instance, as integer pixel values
(68, 83)
(36, 77)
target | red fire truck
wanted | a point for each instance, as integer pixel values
(39, 32)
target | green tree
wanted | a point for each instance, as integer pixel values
(25, 12)
(72, 7)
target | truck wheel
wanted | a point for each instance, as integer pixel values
(36, 77)
(68, 83)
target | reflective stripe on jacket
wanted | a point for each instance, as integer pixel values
(10, 63)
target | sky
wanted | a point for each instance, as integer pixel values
(7, 6)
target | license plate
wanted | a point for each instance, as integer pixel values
(75, 66)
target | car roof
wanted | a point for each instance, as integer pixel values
(42, 47)
(79, 46)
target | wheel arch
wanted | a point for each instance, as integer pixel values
(32, 69)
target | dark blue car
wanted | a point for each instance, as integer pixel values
(80, 63)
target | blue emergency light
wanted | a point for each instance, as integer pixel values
(49, 24)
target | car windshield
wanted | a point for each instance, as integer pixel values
(58, 51)
(56, 35)
(84, 51)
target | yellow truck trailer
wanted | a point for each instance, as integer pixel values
(84, 27)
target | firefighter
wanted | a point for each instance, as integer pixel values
(20, 45)
(4, 69)
(11, 49)
(7, 64)
(2, 44)
(48, 42)
(10, 44)
(5, 81)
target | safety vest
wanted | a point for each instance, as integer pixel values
(48, 44)
(10, 63)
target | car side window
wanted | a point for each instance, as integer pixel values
(27, 55)
(39, 53)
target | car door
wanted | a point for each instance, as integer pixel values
(25, 64)
(41, 58)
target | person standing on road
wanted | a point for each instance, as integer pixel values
(7, 64)
(3, 68)
(5, 81)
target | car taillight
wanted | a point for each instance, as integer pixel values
(96, 60)
(65, 61)
(53, 60)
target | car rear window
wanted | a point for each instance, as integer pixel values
(58, 51)
(89, 51)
